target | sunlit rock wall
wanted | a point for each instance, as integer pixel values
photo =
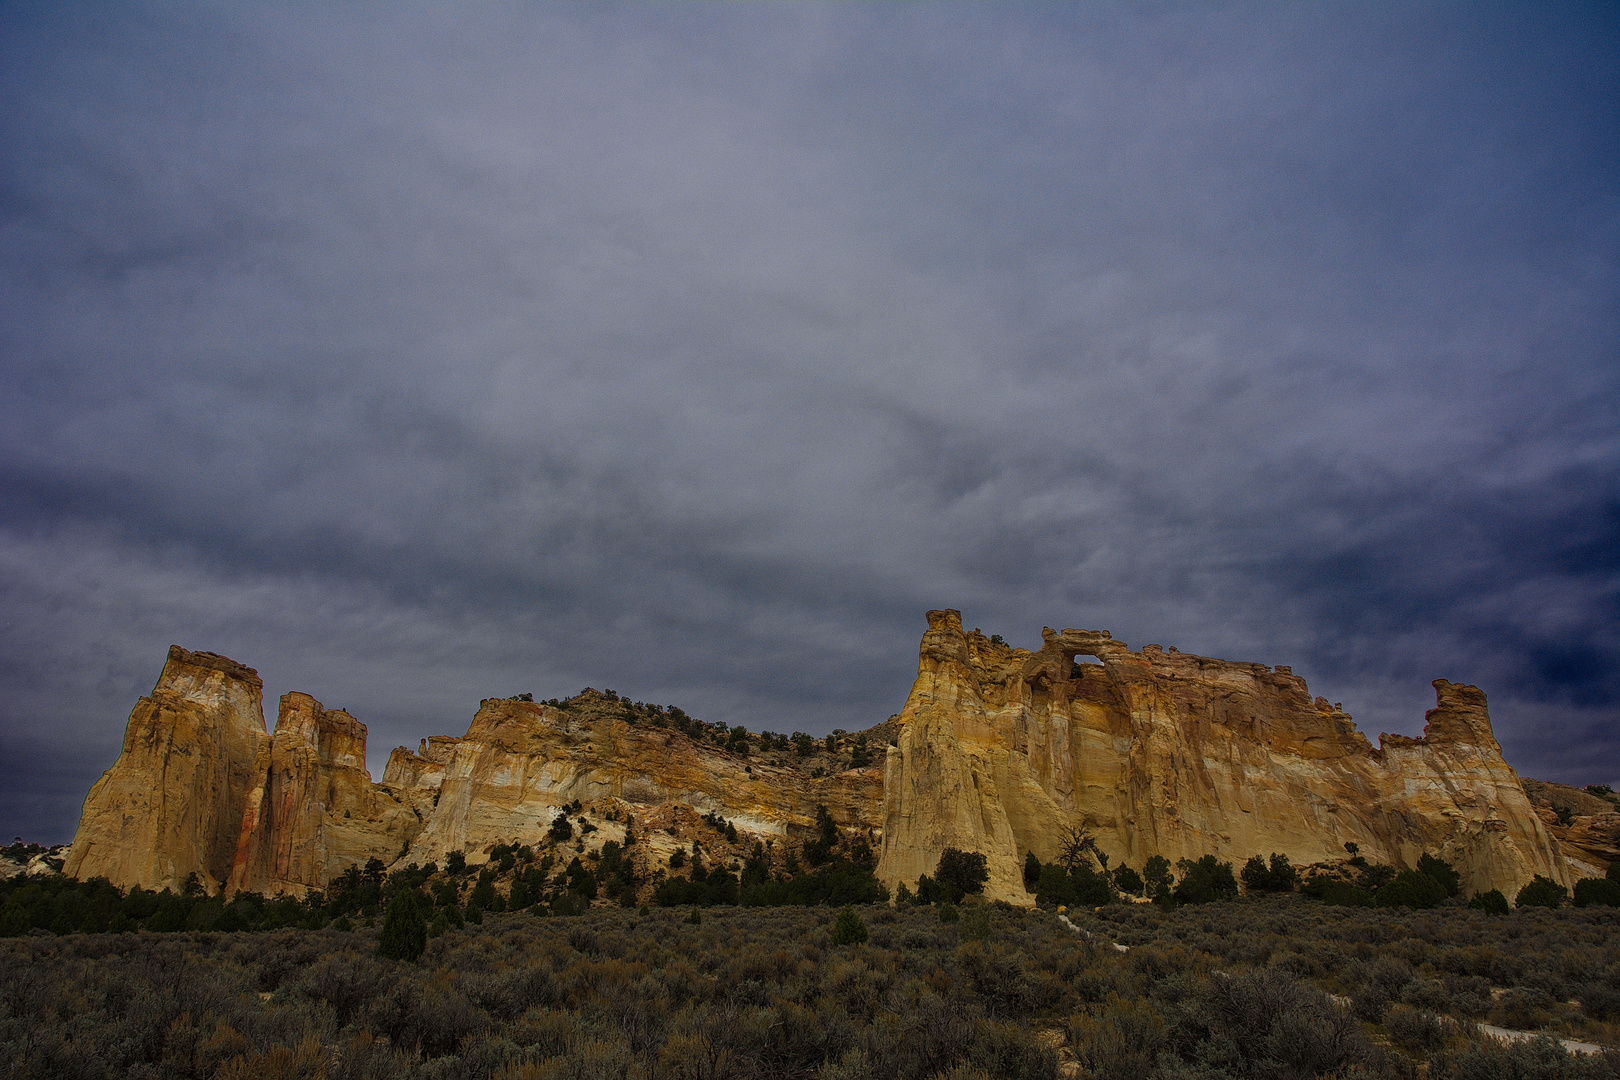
(1165, 753)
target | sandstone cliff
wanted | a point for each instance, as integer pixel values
(1165, 753)
(1586, 825)
(171, 804)
(519, 761)
(997, 750)
(200, 788)
(313, 809)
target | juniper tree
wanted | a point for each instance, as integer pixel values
(404, 930)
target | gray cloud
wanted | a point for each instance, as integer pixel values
(695, 351)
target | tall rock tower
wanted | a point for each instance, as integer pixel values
(171, 804)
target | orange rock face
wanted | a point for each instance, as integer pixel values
(998, 750)
(520, 761)
(171, 804)
(1587, 826)
(1165, 753)
(313, 809)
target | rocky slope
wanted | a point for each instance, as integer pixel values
(519, 761)
(1585, 824)
(200, 788)
(1165, 753)
(997, 750)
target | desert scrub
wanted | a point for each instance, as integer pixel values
(1226, 990)
(1448, 960)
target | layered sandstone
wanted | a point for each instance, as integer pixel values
(997, 750)
(1587, 826)
(520, 761)
(313, 809)
(171, 804)
(1165, 753)
(201, 788)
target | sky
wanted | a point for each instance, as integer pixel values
(417, 354)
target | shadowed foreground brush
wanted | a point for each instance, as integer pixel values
(1221, 992)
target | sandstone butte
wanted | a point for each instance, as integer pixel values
(997, 750)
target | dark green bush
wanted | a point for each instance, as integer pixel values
(1053, 887)
(1205, 881)
(704, 888)
(1375, 876)
(1602, 892)
(1411, 889)
(849, 929)
(1032, 871)
(1156, 871)
(1541, 892)
(581, 880)
(837, 883)
(1278, 876)
(483, 893)
(1128, 881)
(1440, 871)
(1337, 893)
(404, 930)
(1084, 887)
(1491, 902)
(961, 873)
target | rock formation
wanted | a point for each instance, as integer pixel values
(1165, 753)
(520, 761)
(170, 806)
(14, 863)
(313, 807)
(997, 750)
(1586, 825)
(200, 788)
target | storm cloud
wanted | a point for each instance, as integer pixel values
(418, 355)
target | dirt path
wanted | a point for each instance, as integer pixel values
(1509, 1035)
(1064, 919)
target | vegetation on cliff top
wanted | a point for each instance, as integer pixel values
(839, 750)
